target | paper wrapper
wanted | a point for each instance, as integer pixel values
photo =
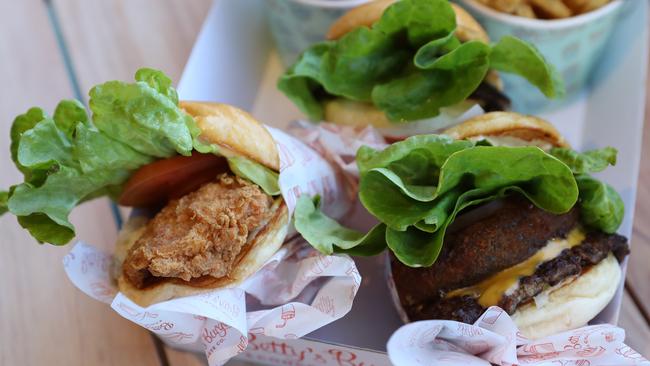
(296, 292)
(339, 143)
(495, 339)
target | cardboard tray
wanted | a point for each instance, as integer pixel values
(233, 62)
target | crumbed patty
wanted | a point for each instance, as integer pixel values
(512, 234)
(199, 234)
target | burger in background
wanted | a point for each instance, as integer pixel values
(409, 67)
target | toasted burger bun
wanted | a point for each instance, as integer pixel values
(510, 129)
(570, 305)
(236, 133)
(361, 114)
(467, 28)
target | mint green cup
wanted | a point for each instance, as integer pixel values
(573, 45)
(297, 24)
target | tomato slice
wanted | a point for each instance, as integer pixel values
(170, 178)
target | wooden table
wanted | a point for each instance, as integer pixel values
(57, 49)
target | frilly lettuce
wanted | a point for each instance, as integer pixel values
(601, 206)
(409, 64)
(70, 158)
(418, 186)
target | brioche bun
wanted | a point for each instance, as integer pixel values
(467, 28)
(572, 304)
(236, 133)
(513, 128)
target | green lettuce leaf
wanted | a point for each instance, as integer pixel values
(518, 57)
(257, 173)
(4, 196)
(449, 80)
(592, 161)
(70, 158)
(141, 117)
(22, 124)
(409, 64)
(159, 81)
(328, 236)
(601, 206)
(418, 186)
(68, 114)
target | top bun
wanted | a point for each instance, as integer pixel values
(235, 132)
(467, 28)
(529, 130)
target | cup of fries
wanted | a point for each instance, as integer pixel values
(297, 24)
(571, 34)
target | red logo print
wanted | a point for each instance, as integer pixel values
(178, 337)
(591, 352)
(288, 313)
(102, 291)
(326, 305)
(628, 352)
(243, 343)
(491, 316)
(286, 157)
(220, 330)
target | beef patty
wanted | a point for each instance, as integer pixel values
(513, 233)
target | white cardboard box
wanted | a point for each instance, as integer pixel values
(233, 62)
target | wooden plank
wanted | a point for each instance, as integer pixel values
(636, 329)
(44, 319)
(110, 40)
(638, 272)
(180, 358)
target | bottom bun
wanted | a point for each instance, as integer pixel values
(252, 257)
(572, 304)
(513, 128)
(361, 114)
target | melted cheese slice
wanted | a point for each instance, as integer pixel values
(490, 290)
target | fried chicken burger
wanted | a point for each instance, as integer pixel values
(214, 233)
(203, 177)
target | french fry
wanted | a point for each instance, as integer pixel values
(506, 6)
(553, 9)
(525, 10)
(546, 9)
(576, 5)
(593, 5)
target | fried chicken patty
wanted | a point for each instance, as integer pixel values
(200, 234)
(512, 234)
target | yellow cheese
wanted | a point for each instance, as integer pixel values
(490, 290)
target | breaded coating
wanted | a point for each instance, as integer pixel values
(199, 234)
(510, 235)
